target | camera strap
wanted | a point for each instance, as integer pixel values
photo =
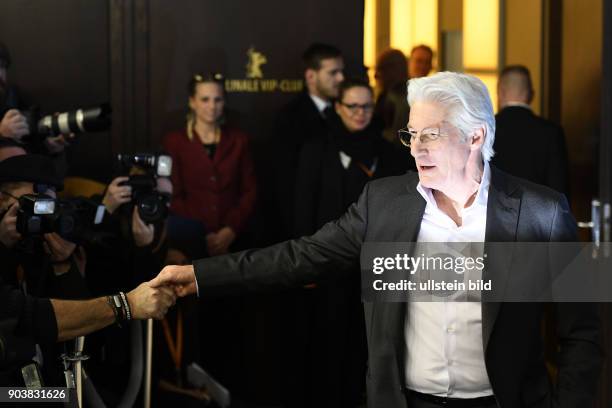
(175, 348)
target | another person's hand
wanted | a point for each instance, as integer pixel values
(143, 233)
(180, 277)
(8, 227)
(58, 248)
(14, 125)
(59, 251)
(218, 243)
(164, 185)
(148, 301)
(116, 195)
(57, 144)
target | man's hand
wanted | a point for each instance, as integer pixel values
(58, 248)
(180, 277)
(57, 144)
(148, 301)
(14, 125)
(59, 251)
(116, 194)
(143, 233)
(8, 227)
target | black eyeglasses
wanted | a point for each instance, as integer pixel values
(354, 108)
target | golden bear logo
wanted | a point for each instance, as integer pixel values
(256, 60)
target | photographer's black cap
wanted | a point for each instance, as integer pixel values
(32, 168)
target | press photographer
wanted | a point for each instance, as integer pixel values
(136, 206)
(45, 265)
(24, 123)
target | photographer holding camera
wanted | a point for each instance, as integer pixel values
(45, 265)
(13, 123)
(135, 205)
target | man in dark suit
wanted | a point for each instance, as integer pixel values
(527, 145)
(437, 354)
(303, 118)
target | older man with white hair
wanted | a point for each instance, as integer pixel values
(434, 354)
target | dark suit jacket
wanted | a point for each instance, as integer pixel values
(297, 122)
(531, 147)
(322, 182)
(391, 210)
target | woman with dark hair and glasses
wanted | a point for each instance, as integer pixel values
(213, 175)
(332, 172)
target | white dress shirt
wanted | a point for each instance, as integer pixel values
(445, 355)
(319, 103)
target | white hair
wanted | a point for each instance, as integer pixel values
(466, 99)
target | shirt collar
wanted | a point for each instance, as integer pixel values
(319, 102)
(481, 196)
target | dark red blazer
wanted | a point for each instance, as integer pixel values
(218, 192)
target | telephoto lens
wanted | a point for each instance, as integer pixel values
(95, 119)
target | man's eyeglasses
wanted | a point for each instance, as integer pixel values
(354, 108)
(408, 135)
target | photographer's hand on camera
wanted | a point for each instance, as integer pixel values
(14, 125)
(60, 252)
(116, 195)
(57, 144)
(8, 227)
(143, 233)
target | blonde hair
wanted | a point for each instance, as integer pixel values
(191, 120)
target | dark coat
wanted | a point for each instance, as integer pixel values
(531, 147)
(324, 189)
(296, 123)
(391, 210)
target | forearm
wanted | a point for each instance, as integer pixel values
(78, 318)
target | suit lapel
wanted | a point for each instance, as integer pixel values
(502, 222)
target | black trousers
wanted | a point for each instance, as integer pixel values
(416, 402)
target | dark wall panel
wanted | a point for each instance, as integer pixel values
(200, 36)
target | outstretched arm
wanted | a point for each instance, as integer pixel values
(332, 249)
(80, 317)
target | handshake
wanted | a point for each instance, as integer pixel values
(153, 299)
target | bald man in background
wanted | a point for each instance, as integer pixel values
(420, 62)
(527, 145)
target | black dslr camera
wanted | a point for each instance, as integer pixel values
(96, 119)
(72, 219)
(152, 205)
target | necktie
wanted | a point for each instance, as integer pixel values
(327, 112)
